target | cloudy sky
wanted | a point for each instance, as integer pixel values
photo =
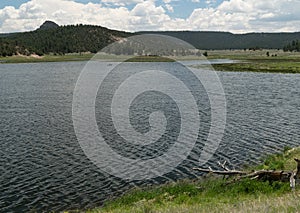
(237, 16)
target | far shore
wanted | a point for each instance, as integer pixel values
(265, 61)
(45, 58)
(274, 61)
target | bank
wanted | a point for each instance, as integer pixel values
(214, 194)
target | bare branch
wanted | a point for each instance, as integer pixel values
(265, 175)
(222, 165)
(231, 172)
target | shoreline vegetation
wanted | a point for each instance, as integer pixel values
(47, 58)
(213, 194)
(266, 61)
(150, 59)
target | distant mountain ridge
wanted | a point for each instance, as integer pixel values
(52, 38)
(226, 40)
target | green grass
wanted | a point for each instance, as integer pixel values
(261, 66)
(83, 57)
(249, 61)
(257, 61)
(281, 161)
(203, 194)
(213, 194)
(150, 59)
(253, 55)
(46, 58)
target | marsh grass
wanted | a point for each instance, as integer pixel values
(253, 55)
(257, 61)
(261, 66)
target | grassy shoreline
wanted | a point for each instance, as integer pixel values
(150, 59)
(214, 194)
(260, 66)
(247, 61)
(258, 61)
(46, 58)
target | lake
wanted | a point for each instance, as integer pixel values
(42, 165)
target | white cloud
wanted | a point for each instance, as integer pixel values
(210, 2)
(170, 8)
(121, 2)
(248, 16)
(147, 9)
(231, 15)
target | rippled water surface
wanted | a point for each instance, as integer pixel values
(43, 168)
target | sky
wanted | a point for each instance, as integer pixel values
(236, 16)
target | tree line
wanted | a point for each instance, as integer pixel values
(292, 46)
(88, 38)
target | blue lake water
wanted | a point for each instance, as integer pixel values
(43, 168)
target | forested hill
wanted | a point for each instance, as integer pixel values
(226, 40)
(51, 38)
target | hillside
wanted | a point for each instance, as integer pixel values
(50, 38)
(226, 40)
(53, 39)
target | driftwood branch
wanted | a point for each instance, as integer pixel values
(218, 172)
(264, 175)
(222, 165)
(295, 175)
